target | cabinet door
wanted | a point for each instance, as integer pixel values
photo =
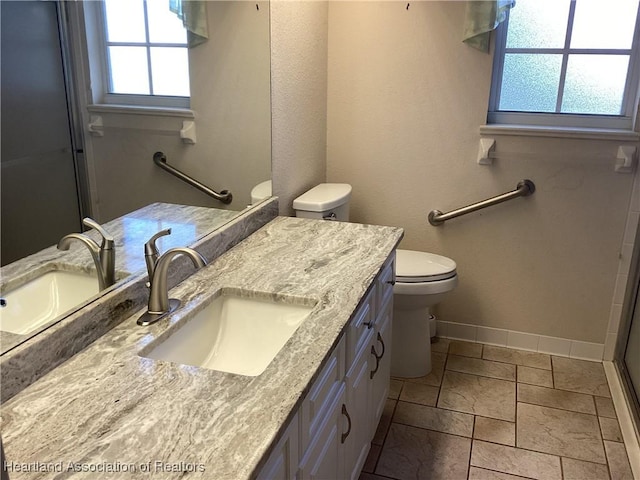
(283, 461)
(324, 458)
(359, 410)
(381, 371)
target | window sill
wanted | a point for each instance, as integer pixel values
(142, 110)
(560, 132)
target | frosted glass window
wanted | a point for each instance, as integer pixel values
(604, 24)
(164, 25)
(530, 82)
(595, 84)
(147, 50)
(126, 20)
(129, 70)
(170, 71)
(577, 58)
(538, 24)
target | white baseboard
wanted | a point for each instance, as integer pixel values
(561, 347)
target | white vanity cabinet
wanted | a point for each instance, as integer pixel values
(338, 418)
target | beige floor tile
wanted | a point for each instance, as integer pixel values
(414, 453)
(618, 461)
(419, 393)
(488, 397)
(517, 357)
(559, 432)
(605, 407)
(437, 368)
(535, 376)
(485, 368)
(550, 397)
(440, 345)
(579, 470)
(372, 459)
(610, 429)
(580, 376)
(445, 421)
(385, 421)
(465, 349)
(476, 473)
(496, 431)
(515, 461)
(395, 387)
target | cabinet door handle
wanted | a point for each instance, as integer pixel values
(381, 343)
(346, 414)
(374, 371)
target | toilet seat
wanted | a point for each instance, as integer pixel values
(421, 267)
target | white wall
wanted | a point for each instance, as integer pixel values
(405, 100)
(299, 97)
(230, 95)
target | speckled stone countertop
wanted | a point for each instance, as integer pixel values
(130, 233)
(107, 407)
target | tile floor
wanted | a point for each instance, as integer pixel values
(486, 413)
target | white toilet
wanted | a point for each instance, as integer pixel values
(422, 279)
(260, 192)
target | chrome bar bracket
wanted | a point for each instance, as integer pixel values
(523, 189)
(160, 159)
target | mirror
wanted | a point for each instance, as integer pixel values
(66, 156)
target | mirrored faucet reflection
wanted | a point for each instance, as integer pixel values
(159, 302)
(104, 255)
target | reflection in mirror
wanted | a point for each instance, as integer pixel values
(66, 154)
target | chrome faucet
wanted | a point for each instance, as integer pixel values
(159, 302)
(104, 256)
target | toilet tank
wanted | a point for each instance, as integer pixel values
(327, 200)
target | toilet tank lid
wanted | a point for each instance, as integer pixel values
(262, 190)
(323, 197)
(413, 264)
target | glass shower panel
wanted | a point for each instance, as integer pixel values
(632, 352)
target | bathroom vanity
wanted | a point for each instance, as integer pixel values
(312, 412)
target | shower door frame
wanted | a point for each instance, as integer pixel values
(630, 304)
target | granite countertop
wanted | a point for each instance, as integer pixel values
(130, 232)
(109, 408)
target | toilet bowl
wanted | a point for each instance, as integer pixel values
(260, 192)
(422, 280)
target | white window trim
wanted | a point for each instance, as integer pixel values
(564, 124)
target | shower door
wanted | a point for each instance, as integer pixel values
(39, 185)
(627, 354)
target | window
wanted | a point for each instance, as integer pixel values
(567, 63)
(146, 54)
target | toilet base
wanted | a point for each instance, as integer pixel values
(411, 351)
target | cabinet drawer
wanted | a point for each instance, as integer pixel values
(318, 401)
(360, 326)
(385, 282)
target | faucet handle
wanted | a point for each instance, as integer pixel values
(107, 240)
(150, 247)
(151, 252)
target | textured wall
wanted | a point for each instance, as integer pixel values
(405, 100)
(298, 98)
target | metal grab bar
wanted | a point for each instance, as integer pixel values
(523, 189)
(160, 159)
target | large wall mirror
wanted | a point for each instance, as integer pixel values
(66, 155)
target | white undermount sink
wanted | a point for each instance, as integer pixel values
(234, 334)
(39, 301)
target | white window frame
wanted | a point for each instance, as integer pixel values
(143, 100)
(626, 121)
